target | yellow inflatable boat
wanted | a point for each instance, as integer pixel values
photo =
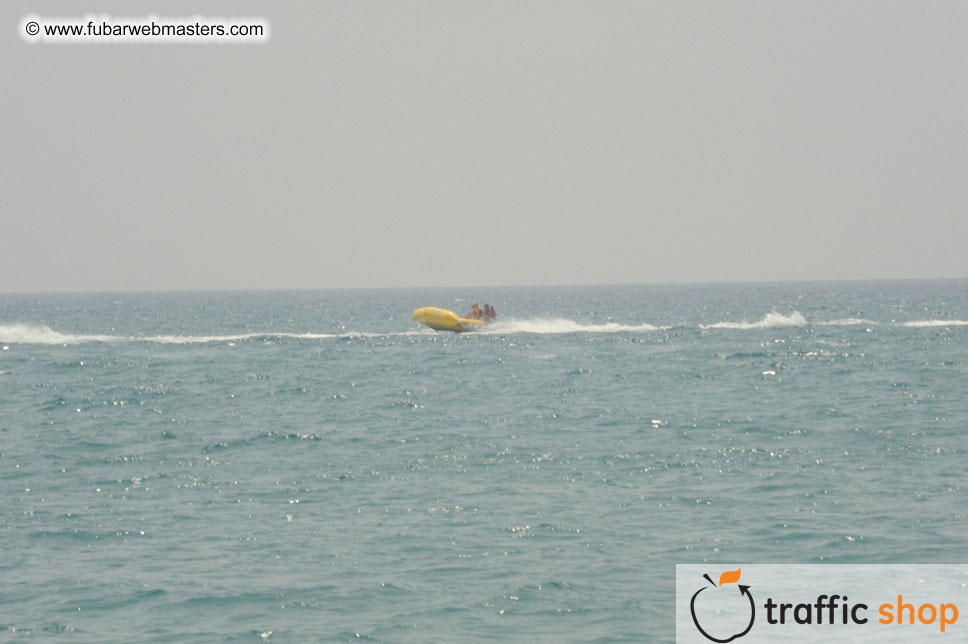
(444, 320)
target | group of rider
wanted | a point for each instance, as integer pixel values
(488, 314)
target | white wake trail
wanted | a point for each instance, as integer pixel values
(564, 325)
(771, 320)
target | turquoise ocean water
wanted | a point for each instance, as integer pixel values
(312, 466)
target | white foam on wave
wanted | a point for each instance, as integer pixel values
(385, 334)
(275, 335)
(771, 320)
(848, 322)
(563, 325)
(241, 337)
(19, 333)
(934, 323)
(41, 334)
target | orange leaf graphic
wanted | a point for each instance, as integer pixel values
(730, 576)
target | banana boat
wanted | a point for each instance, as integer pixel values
(444, 320)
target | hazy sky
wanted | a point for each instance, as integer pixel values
(489, 143)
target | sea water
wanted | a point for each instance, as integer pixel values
(313, 466)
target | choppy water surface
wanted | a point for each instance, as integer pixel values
(313, 466)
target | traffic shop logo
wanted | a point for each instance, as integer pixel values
(710, 599)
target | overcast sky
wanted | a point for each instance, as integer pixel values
(489, 143)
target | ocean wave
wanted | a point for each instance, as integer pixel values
(771, 320)
(563, 325)
(934, 323)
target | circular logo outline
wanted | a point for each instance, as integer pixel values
(745, 590)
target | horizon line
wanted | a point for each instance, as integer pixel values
(489, 286)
